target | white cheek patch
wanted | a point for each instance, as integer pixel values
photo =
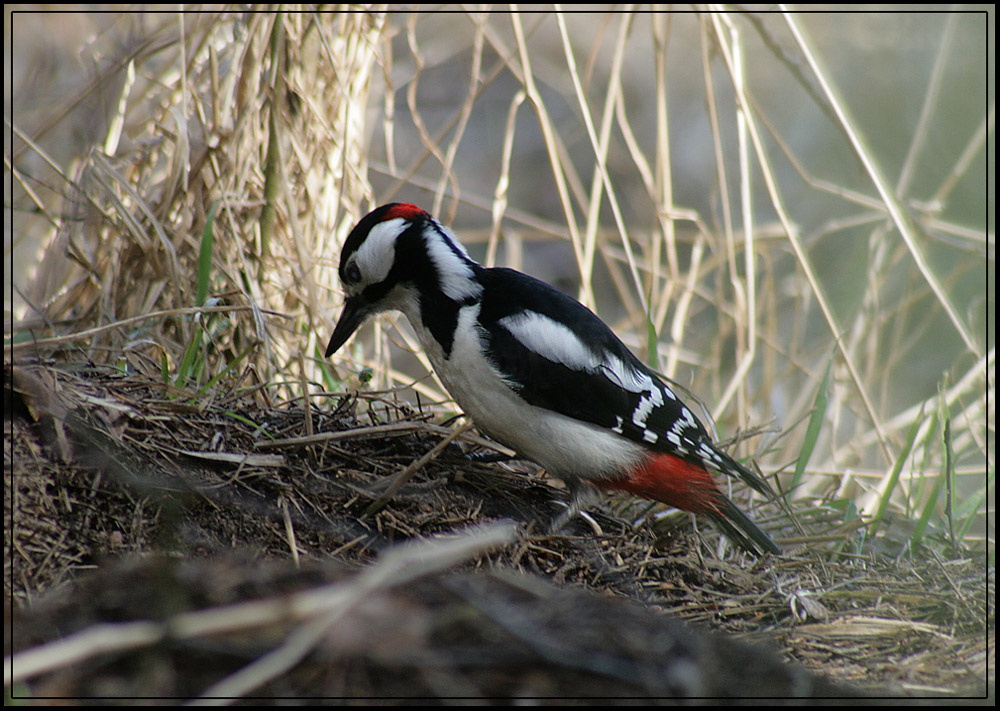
(377, 253)
(551, 340)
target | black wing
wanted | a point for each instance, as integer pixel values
(555, 353)
(578, 367)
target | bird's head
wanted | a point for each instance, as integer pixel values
(399, 257)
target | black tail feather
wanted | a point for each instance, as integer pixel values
(741, 530)
(746, 476)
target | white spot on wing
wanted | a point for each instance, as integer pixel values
(625, 377)
(647, 403)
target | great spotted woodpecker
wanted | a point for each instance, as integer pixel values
(537, 371)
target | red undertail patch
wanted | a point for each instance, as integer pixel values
(672, 481)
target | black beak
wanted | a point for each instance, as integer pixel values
(356, 310)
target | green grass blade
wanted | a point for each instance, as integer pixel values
(927, 511)
(258, 428)
(228, 369)
(966, 513)
(815, 425)
(188, 370)
(890, 486)
(205, 256)
(652, 344)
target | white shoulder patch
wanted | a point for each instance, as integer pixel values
(551, 340)
(455, 270)
(453, 239)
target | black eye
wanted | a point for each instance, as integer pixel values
(352, 274)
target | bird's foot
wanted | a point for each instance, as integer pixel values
(581, 497)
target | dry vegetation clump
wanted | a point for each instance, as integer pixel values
(199, 504)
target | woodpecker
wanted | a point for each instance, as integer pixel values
(537, 371)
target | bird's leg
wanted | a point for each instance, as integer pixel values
(582, 496)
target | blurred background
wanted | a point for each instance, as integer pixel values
(790, 215)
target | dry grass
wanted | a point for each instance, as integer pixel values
(817, 267)
(266, 545)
